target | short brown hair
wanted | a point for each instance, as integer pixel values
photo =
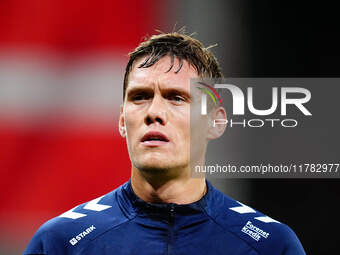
(178, 45)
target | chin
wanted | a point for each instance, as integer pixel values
(152, 165)
(157, 165)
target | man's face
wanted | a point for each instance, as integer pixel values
(156, 115)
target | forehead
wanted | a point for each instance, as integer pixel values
(159, 74)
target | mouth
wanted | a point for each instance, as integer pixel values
(154, 138)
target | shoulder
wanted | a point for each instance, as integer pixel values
(74, 228)
(263, 233)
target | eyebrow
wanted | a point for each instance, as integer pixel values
(180, 91)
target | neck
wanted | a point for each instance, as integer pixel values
(160, 187)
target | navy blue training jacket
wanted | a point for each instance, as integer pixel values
(121, 223)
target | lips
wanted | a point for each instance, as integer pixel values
(154, 138)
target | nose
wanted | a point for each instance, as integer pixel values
(156, 112)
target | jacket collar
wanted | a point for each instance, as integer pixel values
(132, 203)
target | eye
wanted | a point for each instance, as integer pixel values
(175, 97)
(137, 97)
(141, 96)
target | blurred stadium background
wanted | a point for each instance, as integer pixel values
(61, 72)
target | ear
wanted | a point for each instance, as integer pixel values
(121, 124)
(217, 122)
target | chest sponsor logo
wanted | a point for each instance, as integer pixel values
(254, 232)
(81, 235)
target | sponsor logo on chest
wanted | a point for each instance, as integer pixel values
(81, 235)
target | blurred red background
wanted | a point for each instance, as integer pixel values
(61, 70)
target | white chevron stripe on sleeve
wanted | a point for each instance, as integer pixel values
(72, 215)
(243, 209)
(94, 206)
(266, 219)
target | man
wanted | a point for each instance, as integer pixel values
(161, 209)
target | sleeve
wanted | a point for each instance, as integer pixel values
(37, 245)
(293, 245)
(46, 241)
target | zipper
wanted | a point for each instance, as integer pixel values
(171, 228)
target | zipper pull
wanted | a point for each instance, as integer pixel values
(172, 210)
